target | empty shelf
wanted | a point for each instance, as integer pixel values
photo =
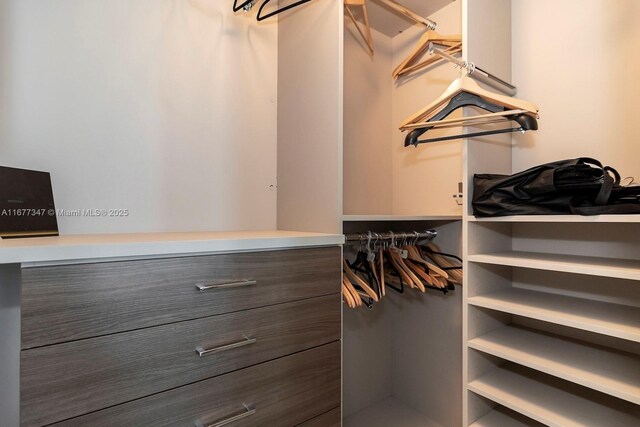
(604, 318)
(502, 417)
(562, 218)
(608, 371)
(554, 402)
(606, 267)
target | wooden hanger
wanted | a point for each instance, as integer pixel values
(381, 271)
(353, 277)
(392, 256)
(468, 85)
(366, 34)
(452, 42)
(451, 262)
(353, 294)
(346, 296)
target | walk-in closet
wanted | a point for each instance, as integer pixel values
(319, 213)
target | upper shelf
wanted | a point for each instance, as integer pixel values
(593, 266)
(562, 218)
(365, 218)
(100, 246)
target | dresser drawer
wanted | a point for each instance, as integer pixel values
(64, 303)
(66, 380)
(282, 393)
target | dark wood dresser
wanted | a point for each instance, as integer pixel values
(246, 339)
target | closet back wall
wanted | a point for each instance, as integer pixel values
(167, 108)
(578, 60)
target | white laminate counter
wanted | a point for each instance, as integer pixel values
(83, 248)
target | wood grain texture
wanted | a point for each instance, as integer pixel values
(328, 419)
(65, 303)
(71, 379)
(284, 392)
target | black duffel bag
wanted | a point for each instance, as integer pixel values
(577, 186)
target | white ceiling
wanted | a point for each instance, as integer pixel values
(389, 22)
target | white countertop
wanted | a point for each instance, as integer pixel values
(100, 246)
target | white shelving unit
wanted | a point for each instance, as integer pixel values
(551, 304)
(595, 266)
(601, 369)
(553, 402)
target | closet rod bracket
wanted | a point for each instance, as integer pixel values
(475, 72)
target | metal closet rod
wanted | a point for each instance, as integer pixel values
(373, 237)
(410, 14)
(476, 73)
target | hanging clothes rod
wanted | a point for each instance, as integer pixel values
(409, 14)
(373, 237)
(475, 72)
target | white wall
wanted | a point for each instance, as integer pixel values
(425, 178)
(367, 116)
(163, 107)
(578, 60)
(310, 118)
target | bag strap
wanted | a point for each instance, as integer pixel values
(619, 209)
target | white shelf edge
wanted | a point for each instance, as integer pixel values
(79, 248)
(605, 371)
(611, 219)
(552, 401)
(498, 417)
(603, 318)
(593, 266)
(362, 218)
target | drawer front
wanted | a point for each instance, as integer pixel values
(283, 393)
(71, 379)
(328, 419)
(65, 303)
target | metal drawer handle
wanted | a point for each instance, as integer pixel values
(247, 341)
(227, 285)
(248, 411)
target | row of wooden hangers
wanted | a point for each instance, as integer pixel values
(412, 63)
(387, 262)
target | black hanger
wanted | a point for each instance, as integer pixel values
(277, 11)
(361, 265)
(242, 6)
(466, 99)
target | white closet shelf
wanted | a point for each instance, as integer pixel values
(615, 320)
(553, 402)
(594, 266)
(610, 372)
(363, 218)
(501, 417)
(561, 218)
